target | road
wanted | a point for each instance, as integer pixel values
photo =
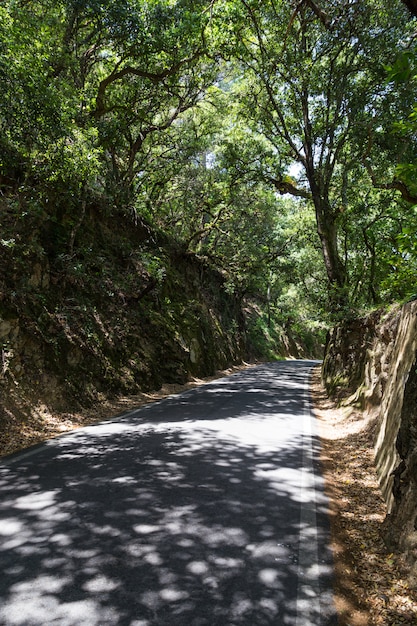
(203, 509)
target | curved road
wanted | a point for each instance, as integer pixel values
(203, 509)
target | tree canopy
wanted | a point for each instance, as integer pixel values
(274, 139)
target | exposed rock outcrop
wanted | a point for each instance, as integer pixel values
(118, 313)
(373, 361)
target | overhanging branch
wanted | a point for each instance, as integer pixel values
(283, 186)
(318, 12)
(395, 185)
(128, 70)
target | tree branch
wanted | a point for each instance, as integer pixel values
(128, 70)
(319, 13)
(210, 226)
(395, 184)
(185, 103)
(284, 186)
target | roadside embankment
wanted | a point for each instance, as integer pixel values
(370, 364)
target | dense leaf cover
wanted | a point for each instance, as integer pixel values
(275, 140)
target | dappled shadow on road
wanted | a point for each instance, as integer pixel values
(184, 513)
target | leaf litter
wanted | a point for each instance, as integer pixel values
(372, 585)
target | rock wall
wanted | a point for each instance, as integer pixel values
(346, 355)
(373, 361)
(121, 310)
(386, 376)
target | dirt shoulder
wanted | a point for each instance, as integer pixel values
(371, 585)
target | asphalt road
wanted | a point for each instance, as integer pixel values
(203, 509)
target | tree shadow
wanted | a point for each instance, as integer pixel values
(185, 512)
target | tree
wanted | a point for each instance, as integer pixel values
(209, 193)
(198, 117)
(128, 70)
(313, 81)
(141, 65)
(32, 109)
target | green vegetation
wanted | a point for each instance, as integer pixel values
(177, 174)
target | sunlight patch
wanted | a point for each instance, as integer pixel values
(124, 480)
(173, 595)
(198, 567)
(153, 558)
(269, 577)
(228, 563)
(100, 584)
(69, 613)
(10, 527)
(60, 539)
(36, 501)
(146, 529)
(41, 584)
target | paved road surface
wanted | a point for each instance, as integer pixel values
(204, 509)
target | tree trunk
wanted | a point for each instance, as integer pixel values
(335, 268)
(411, 6)
(319, 181)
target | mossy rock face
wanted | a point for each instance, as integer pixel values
(346, 354)
(114, 311)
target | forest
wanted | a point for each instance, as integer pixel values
(188, 186)
(262, 154)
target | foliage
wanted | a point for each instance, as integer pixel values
(313, 85)
(273, 141)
